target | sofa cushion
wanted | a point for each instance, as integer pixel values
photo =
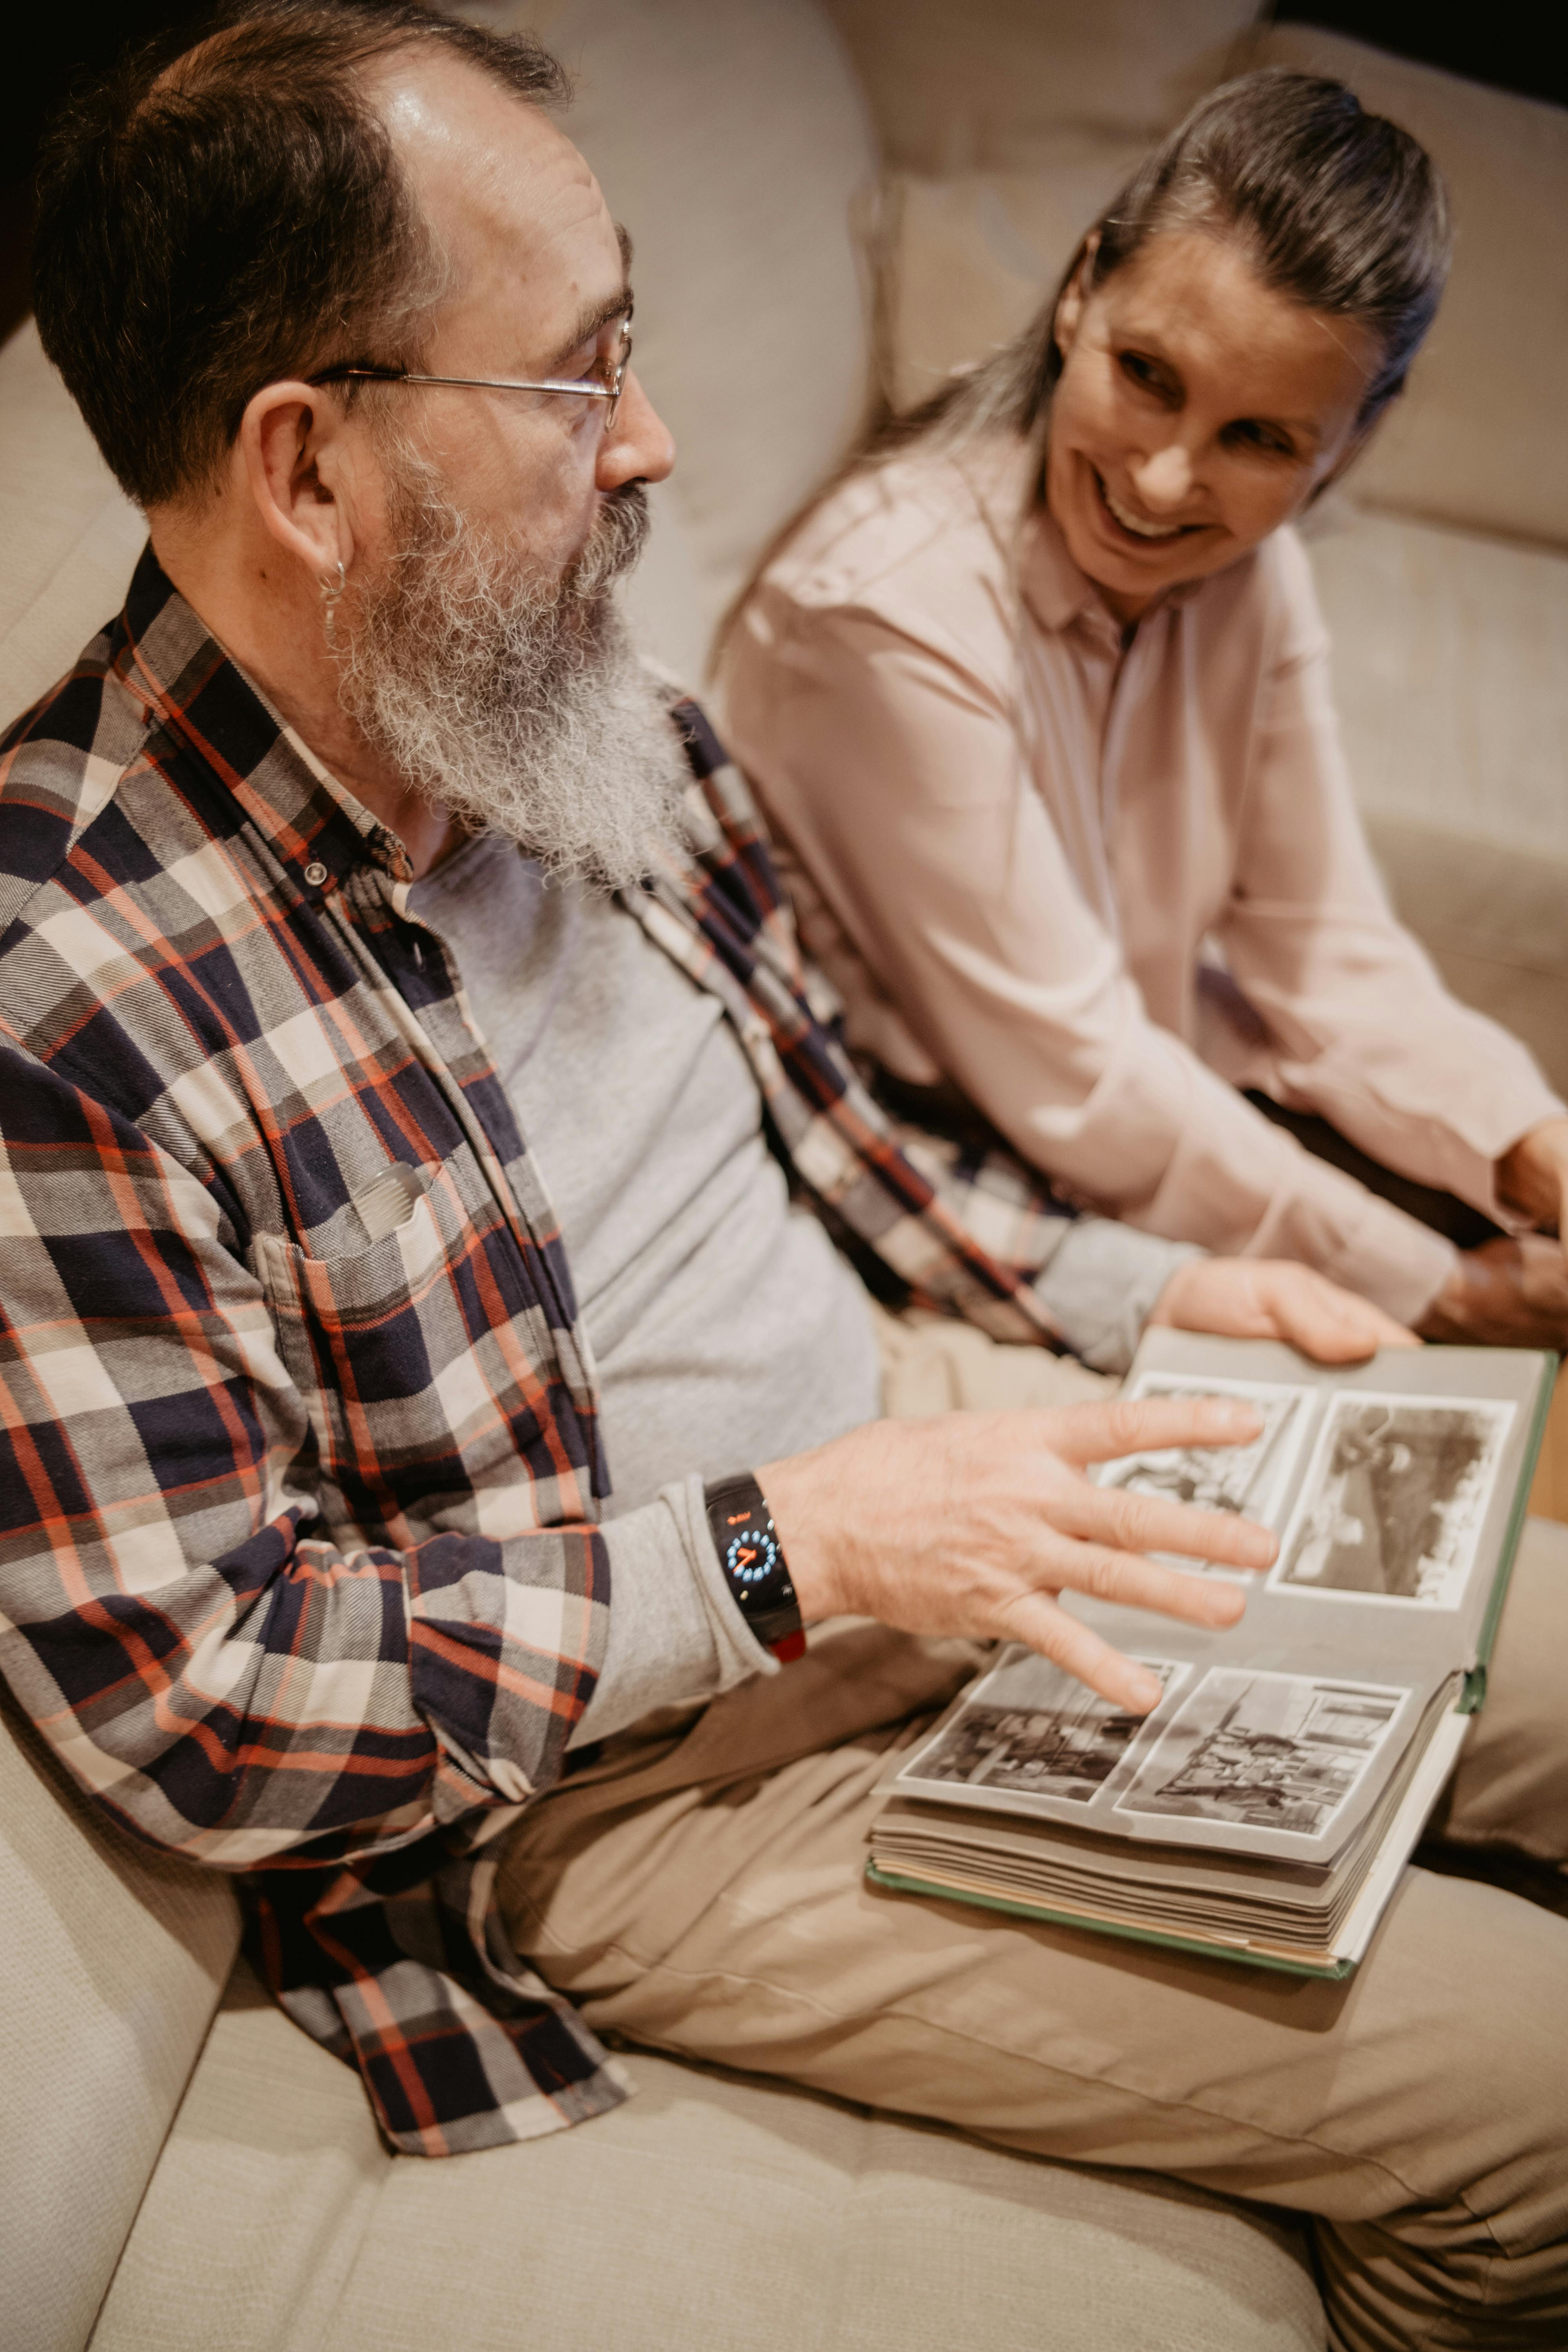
(1494, 922)
(968, 258)
(1454, 701)
(114, 1959)
(712, 2208)
(1450, 674)
(953, 88)
(70, 535)
(1479, 438)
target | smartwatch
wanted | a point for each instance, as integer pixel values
(753, 1563)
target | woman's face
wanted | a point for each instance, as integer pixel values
(1197, 410)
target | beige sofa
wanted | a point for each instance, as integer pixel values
(180, 2168)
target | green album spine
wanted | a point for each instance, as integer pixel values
(1473, 1697)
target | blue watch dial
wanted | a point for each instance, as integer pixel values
(752, 1554)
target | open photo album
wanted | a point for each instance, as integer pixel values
(1265, 1808)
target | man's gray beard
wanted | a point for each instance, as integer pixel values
(514, 704)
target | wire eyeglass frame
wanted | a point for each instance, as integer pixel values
(578, 388)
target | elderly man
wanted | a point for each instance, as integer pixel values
(427, 1163)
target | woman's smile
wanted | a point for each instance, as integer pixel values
(1133, 525)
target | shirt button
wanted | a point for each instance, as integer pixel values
(316, 874)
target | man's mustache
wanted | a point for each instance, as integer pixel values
(615, 543)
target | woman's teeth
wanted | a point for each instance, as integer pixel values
(1140, 529)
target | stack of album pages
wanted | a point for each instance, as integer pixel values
(1265, 1810)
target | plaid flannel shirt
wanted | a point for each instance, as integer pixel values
(299, 1564)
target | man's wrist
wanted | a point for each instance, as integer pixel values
(751, 1559)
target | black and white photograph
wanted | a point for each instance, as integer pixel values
(1391, 1507)
(1264, 1752)
(1252, 1480)
(1031, 1730)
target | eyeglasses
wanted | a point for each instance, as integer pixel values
(605, 384)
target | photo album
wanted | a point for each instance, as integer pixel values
(1265, 1808)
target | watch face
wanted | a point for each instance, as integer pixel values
(751, 1553)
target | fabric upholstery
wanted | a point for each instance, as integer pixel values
(1493, 921)
(970, 257)
(1449, 669)
(1479, 438)
(70, 535)
(1454, 701)
(113, 1958)
(712, 2208)
(953, 88)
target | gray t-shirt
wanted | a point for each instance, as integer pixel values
(725, 1326)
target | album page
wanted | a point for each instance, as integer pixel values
(1395, 1488)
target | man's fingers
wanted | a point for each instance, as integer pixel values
(1131, 1582)
(1141, 1523)
(1082, 1433)
(1035, 1619)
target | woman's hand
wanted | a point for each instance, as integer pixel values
(1514, 1294)
(1533, 1177)
(1507, 1293)
(1274, 1299)
(976, 1522)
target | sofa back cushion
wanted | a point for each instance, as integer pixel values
(986, 84)
(69, 534)
(114, 1959)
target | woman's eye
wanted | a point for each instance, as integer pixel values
(1141, 371)
(1248, 433)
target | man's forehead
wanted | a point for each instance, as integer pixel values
(500, 185)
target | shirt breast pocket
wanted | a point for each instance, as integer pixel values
(378, 1343)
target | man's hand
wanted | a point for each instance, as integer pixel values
(1533, 1177)
(974, 1522)
(1273, 1298)
(1507, 1293)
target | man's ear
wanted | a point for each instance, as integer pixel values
(1074, 295)
(294, 446)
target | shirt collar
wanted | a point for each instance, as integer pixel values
(164, 656)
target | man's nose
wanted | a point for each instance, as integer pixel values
(1164, 479)
(641, 448)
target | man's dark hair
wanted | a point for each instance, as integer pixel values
(213, 216)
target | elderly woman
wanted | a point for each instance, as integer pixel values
(1038, 698)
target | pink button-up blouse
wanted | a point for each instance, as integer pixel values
(1102, 885)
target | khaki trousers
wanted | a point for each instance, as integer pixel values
(700, 1889)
